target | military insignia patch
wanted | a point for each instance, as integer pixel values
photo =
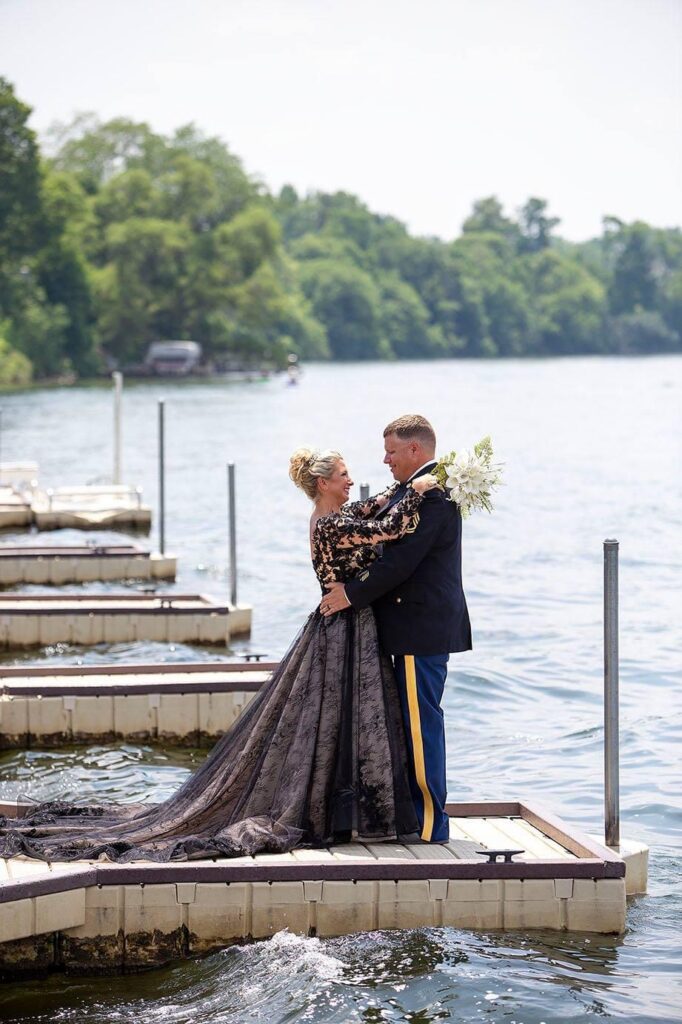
(414, 524)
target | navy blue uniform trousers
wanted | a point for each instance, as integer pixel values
(421, 681)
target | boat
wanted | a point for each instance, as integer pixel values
(173, 358)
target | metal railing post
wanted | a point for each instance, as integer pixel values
(611, 738)
(364, 492)
(162, 479)
(118, 388)
(232, 522)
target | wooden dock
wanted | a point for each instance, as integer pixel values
(36, 620)
(57, 564)
(191, 704)
(91, 917)
(90, 507)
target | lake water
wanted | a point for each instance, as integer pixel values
(592, 449)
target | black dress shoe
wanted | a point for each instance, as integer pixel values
(414, 839)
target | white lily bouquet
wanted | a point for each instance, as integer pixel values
(470, 476)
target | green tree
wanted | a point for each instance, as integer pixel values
(346, 301)
(20, 179)
(634, 284)
(15, 368)
(129, 194)
(37, 328)
(141, 292)
(671, 303)
(405, 321)
(487, 217)
(126, 236)
(535, 226)
(432, 269)
(500, 318)
(62, 270)
(642, 333)
(570, 304)
(96, 151)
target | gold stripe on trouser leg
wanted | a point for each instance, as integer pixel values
(418, 745)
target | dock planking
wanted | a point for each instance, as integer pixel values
(186, 703)
(90, 506)
(95, 916)
(15, 509)
(36, 620)
(54, 565)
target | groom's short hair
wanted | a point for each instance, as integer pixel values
(412, 428)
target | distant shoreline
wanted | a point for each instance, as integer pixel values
(52, 384)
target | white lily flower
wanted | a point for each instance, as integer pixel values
(470, 476)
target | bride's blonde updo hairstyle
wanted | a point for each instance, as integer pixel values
(307, 465)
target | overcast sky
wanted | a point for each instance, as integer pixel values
(417, 107)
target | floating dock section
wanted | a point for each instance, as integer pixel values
(19, 474)
(189, 704)
(90, 507)
(15, 508)
(36, 620)
(92, 917)
(55, 565)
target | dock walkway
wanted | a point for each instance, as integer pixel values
(36, 620)
(188, 703)
(56, 564)
(92, 917)
(15, 509)
(90, 507)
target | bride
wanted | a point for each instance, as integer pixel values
(319, 755)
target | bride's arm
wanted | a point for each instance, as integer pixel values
(369, 508)
(403, 518)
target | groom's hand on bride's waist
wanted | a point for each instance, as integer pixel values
(334, 600)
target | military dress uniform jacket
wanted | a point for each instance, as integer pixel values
(415, 588)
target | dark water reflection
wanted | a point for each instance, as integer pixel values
(592, 449)
(420, 976)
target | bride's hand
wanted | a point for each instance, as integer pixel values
(424, 483)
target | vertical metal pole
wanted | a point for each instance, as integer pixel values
(611, 740)
(162, 480)
(118, 388)
(364, 492)
(232, 517)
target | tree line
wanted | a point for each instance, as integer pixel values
(122, 236)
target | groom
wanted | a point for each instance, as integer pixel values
(415, 590)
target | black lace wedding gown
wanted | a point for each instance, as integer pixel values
(319, 755)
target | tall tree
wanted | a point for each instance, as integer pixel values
(487, 217)
(20, 179)
(536, 227)
(635, 274)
